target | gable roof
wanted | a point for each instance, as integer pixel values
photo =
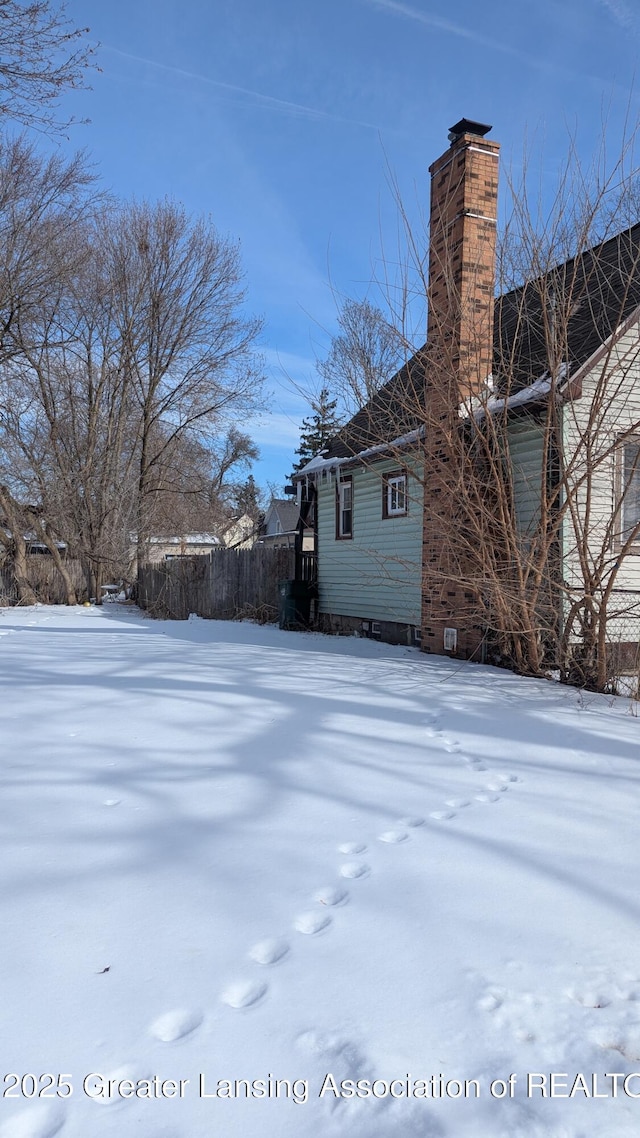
(285, 511)
(392, 412)
(603, 285)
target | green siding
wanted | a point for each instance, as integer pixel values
(525, 438)
(375, 575)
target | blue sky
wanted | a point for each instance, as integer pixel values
(282, 118)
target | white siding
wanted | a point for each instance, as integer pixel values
(615, 388)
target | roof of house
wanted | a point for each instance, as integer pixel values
(185, 539)
(285, 511)
(603, 285)
(392, 412)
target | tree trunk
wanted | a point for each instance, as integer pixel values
(26, 594)
(57, 560)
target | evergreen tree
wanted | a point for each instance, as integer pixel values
(247, 499)
(318, 429)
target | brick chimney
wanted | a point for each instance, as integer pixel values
(462, 252)
(464, 196)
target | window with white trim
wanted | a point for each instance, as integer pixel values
(344, 508)
(630, 490)
(394, 494)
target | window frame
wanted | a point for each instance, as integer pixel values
(342, 482)
(620, 539)
(388, 480)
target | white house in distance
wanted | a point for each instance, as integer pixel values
(176, 547)
(238, 533)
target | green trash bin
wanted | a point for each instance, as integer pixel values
(294, 604)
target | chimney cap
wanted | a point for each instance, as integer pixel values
(468, 126)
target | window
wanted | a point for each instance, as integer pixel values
(630, 490)
(394, 494)
(344, 508)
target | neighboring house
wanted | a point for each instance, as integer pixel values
(33, 545)
(280, 528)
(240, 533)
(38, 548)
(378, 513)
(173, 548)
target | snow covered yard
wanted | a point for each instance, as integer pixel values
(233, 853)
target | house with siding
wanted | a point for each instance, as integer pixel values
(280, 526)
(378, 513)
(367, 502)
(176, 547)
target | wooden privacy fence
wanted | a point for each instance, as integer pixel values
(226, 584)
(44, 579)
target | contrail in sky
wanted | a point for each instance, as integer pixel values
(269, 102)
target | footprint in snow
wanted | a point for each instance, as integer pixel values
(490, 1002)
(487, 796)
(354, 869)
(497, 785)
(475, 764)
(590, 997)
(111, 802)
(608, 1037)
(393, 837)
(126, 1071)
(243, 993)
(630, 1044)
(312, 922)
(412, 821)
(269, 951)
(457, 803)
(37, 1122)
(442, 815)
(352, 848)
(330, 1045)
(331, 895)
(171, 1026)
(452, 746)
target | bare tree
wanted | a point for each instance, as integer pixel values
(13, 540)
(196, 484)
(365, 352)
(127, 359)
(42, 55)
(187, 346)
(42, 206)
(235, 451)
